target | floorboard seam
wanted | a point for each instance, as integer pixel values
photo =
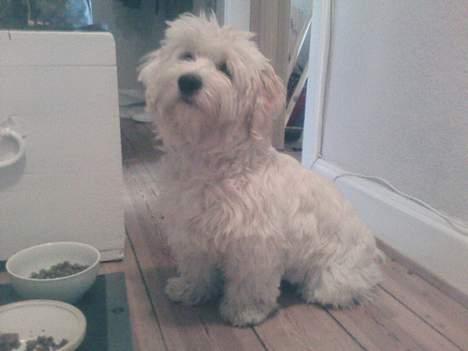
(346, 330)
(153, 307)
(259, 339)
(421, 318)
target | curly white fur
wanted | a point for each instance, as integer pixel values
(233, 204)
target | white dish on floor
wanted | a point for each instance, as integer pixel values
(143, 117)
(70, 288)
(34, 318)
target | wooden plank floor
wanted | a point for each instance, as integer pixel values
(408, 313)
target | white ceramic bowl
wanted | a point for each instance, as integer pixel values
(34, 318)
(69, 288)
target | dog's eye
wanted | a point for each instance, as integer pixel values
(224, 68)
(187, 56)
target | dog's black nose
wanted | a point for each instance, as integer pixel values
(189, 84)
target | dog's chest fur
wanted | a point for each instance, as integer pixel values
(219, 197)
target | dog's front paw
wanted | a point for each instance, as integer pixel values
(179, 290)
(245, 316)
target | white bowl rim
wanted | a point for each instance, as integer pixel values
(77, 339)
(92, 266)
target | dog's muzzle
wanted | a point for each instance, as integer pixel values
(189, 84)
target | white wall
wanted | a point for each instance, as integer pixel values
(397, 97)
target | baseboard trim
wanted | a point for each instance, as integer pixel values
(407, 228)
(425, 274)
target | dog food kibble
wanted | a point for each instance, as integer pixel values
(59, 270)
(9, 342)
(45, 343)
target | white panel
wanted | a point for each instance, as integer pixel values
(56, 48)
(60, 91)
(66, 130)
(85, 207)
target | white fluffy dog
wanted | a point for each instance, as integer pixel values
(233, 204)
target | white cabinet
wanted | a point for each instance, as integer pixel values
(59, 91)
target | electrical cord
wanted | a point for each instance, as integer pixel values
(458, 225)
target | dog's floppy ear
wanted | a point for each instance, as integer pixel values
(148, 64)
(269, 105)
(147, 72)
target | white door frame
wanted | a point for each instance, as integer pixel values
(317, 82)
